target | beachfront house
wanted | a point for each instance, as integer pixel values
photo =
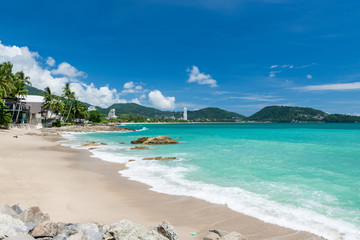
(25, 110)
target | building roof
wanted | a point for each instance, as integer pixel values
(33, 98)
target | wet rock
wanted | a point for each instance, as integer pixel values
(34, 215)
(93, 148)
(132, 160)
(140, 140)
(160, 140)
(45, 229)
(128, 230)
(139, 148)
(160, 158)
(91, 144)
(103, 143)
(165, 229)
(6, 209)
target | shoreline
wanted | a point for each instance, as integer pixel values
(91, 183)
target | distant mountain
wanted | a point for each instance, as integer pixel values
(34, 91)
(287, 114)
(122, 108)
(298, 114)
(215, 115)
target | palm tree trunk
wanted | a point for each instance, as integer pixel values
(69, 112)
(17, 116)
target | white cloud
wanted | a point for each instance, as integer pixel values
(309, 76)
(136, 100)
(282, 66)
(25, 60)
(138, 87)
(258, 98)
(272, 74)
(50, 61)
(335, 87)
(201, 78)
(67, 70)
(129, 84)
(158, 100)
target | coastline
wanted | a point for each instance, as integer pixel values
(72, 186)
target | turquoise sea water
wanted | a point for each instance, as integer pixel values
(302, 176)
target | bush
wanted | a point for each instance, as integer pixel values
(95, 116)
(56, 123)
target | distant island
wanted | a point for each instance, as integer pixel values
(132, 112)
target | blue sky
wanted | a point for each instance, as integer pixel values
(238, 55)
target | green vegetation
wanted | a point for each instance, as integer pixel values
(287, 114)
(12, 86)
(213, 114)
(95, 116)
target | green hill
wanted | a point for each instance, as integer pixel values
(287, 114)
(214, 115)
(34, 91)
(124, 108)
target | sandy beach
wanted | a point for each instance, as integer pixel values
(71, 186)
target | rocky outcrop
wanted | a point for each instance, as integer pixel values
(160, 140)
(32, 224)
(126, 229)
(45, 229)
(160, 158)
(140, 148)
(165, 229)
(140, 140)
(34, 215)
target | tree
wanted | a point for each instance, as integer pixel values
(70, 96)
(95, 116)
(5, 117)
(6, 79)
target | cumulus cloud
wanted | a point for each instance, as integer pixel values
(136, 100)
(129, 84)
(334, 87)
(50, 61)
(67, 70)
(158, 100)
(25, 60)
(201, 78)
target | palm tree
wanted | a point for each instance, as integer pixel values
(48, 101)
(59, 105)
(6, 79)
(19, 92)
(5, 117)
(70, 96)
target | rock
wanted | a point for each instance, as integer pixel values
(45, 229)
(10, 226)
(61, 236)
(132, 160)
(140, 140)
(139, 148)
(67, 228)
(16, 208)
(220, 233)
(121, 143)
(93, 148)
(91, 144)
(6, 209)
(44, 238)
(127, 230)
(104, 144)
(34, 215)
(160, 158)
(20, 237)
(233, 236)
(165, 229)
(87, 231)
(160, 140)
(154, 158)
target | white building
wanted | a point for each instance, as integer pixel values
(34, 103)
(185, 114)
(112, 113)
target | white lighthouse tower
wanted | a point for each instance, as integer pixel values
(185, 114)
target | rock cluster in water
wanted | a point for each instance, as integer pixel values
(154, 140)
(32, 223)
